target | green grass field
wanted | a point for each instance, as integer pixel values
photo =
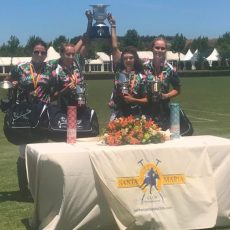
(204, 99)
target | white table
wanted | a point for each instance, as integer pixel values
(76, 186)
(63, 186)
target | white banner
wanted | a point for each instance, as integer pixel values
(158, 186)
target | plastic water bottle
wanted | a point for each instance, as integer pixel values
(175, 120)
(71, 124)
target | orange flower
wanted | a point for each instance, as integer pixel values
(134, 141)
(111, 125)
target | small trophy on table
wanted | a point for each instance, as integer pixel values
(99, 29)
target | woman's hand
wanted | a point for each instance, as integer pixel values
(128, 98)
(14, 83)
(111, 19)
(89, 15)
(72, 85)
(73, 82)
(164, 96)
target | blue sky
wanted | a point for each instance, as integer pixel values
(51, 18)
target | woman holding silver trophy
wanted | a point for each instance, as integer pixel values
(129, 95)
(70, 90)
(163, 83)
(68, 68)
(160, 77)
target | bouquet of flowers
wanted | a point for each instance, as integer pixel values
(131, 130)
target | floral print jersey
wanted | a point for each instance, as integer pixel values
(33, 86)
(135, 83)
(159, 109)
(64, 77)
(127, 83)
(169, 77)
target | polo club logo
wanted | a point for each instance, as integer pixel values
(150, 179)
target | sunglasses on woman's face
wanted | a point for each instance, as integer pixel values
(40, 52)
(159, 48)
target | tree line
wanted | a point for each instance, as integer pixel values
(177, 43)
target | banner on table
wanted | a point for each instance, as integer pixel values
(160, 188)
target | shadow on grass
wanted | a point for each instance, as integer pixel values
(26, 223)
(14, 196)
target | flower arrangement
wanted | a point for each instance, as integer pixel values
(131, 130)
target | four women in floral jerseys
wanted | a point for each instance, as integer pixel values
(136, 89)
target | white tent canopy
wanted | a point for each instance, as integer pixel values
(195, 56)
(52, 54)
(214, 56)
(95, 61)
(103, 56)
(145, 55)
(7, 61)
(187, 56)
(171, 56)
(17, 60)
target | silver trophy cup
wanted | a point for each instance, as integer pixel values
(123, 83)
(6, 84)
(99, 29)
(155, 86)
(80, 95)
(5, 103)
(154, 89)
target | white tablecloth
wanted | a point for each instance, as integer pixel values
(63, 186)
(70, 192)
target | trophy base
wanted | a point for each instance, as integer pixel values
(100, 31)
